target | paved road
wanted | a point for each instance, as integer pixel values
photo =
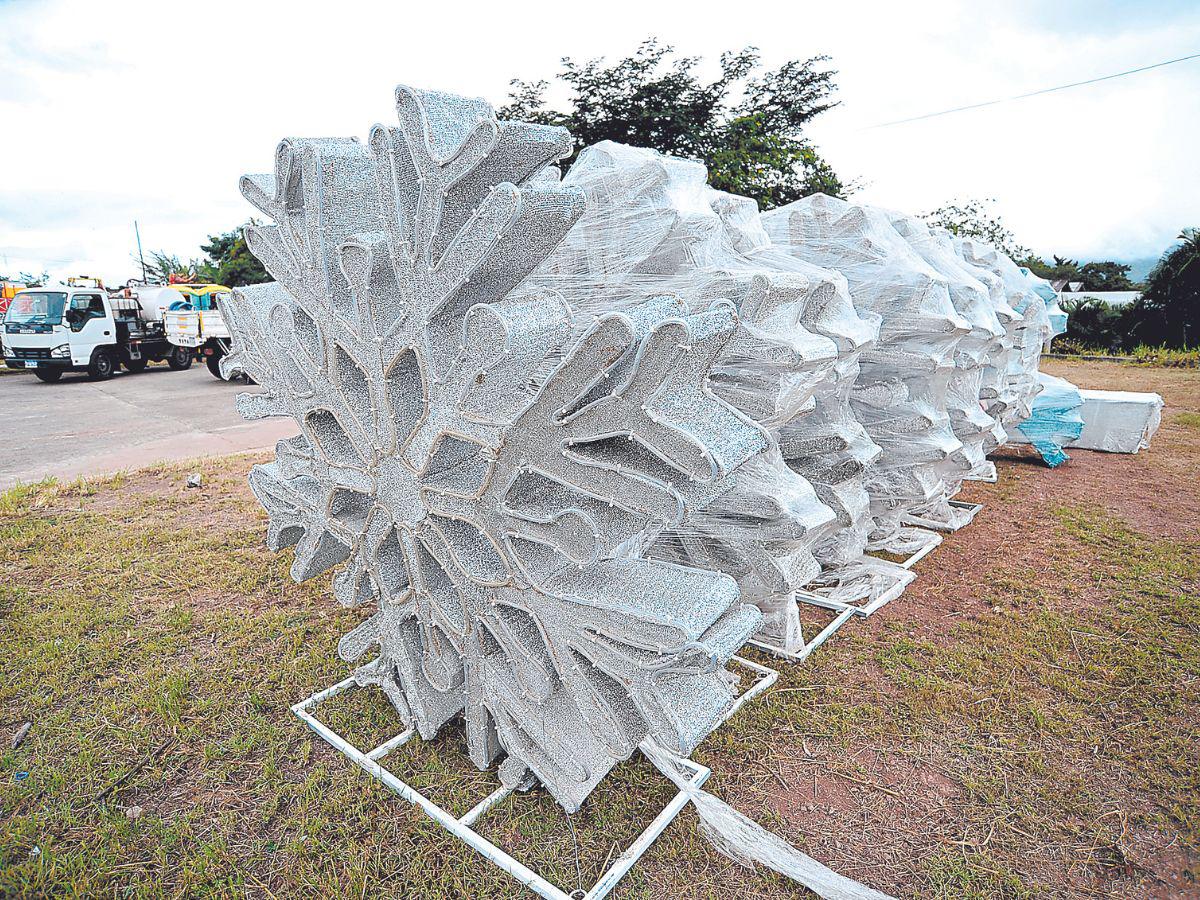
(80, 427)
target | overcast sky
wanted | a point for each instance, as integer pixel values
(111, 111)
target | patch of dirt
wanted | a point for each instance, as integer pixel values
(904, 803)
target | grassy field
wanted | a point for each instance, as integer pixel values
(1022, 723)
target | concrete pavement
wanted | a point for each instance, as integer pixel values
(79, 427)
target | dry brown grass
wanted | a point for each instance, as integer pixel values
(1020, 724)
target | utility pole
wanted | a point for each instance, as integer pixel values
(141, 258)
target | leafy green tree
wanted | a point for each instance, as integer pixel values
(1168, 312)
(160, 266)
(230, 261)
(1092, 323)
(227, 261)
(746, 126)
(1106, 276)
(975, 219)
(1061, 267)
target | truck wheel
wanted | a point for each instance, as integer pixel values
(102, 366)
(137, 365)
(179, 359)
(47, 375)
(214, 366)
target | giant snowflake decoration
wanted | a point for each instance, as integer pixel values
(485, 468)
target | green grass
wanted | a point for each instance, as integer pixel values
(157, 647)
(1188, 419)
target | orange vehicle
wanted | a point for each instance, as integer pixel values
(8, 290)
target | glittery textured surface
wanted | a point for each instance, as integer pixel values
(485, 462)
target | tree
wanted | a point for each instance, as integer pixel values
(232, 262)
(752, 145)
(974, 219)
(160, 266)
(1106, 276)
(1061, 268)
(1092, 323)
(1168, 312)
(227, 261)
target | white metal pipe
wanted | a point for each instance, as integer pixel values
(391, 744)
(634, 852)
(921, 554)
(484, 847)
(485, 804)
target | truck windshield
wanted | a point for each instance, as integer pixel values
(36, 308)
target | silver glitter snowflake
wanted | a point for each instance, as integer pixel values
(487, 469)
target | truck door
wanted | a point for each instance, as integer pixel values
(91, 326)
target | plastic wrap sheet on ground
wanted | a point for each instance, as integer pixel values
(901, 392)
(1118, 421)
(487, 469)
(652, 226)
(1055, 421)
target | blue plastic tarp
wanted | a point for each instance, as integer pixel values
(1055, 420)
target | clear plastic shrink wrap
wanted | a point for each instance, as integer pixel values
(965, 396)
(1054, 313)
(1026, 333)
(653, 228)
(901, 393)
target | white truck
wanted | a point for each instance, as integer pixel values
(200, 327)
(77, 327)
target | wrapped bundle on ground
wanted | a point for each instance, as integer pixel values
(653, 226)
(900, 395)
(979, 432)
(1118, 421)
(827, 444)
(1026, 333)
(1055, 315)
(488, 470)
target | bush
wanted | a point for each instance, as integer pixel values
(1142, 355)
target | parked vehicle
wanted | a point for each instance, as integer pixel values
(77, 327)
(196, 323)
(8, 290)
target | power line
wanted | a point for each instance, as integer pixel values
(1050, 90)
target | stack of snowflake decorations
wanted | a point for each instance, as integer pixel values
(577, 441)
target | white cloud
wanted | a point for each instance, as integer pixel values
(151, 111)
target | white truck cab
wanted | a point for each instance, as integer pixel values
(79, 328)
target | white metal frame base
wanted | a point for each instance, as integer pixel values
(844, 611)
(971, 509)
(460, 826)
(990, 476)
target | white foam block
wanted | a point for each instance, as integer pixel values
(1118, 421)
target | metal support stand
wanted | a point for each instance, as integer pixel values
(845, 611)
(988, 476)
(971, 510)
(460, 826)
(921, 554)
